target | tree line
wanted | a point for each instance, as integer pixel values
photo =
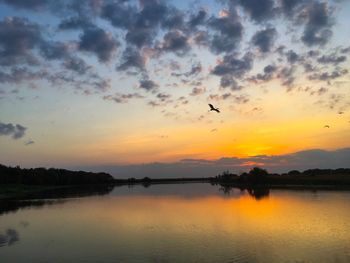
(51, 176)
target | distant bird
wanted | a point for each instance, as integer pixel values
(213, 109)
(326, 126)
(340, 112)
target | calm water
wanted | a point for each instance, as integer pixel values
(178, 223)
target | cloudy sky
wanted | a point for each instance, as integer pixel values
(125, 84)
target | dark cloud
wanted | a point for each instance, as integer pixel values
(152, 13)
(26, 4)
(54, 50)
(289, 6)
(16, 131)
(287, 75)
(326, 76)
(194, 71)
(175, 41)
(309, 159)
(147, 84)
(18, 37)
(238, 99)
(132, 59)
(258, 10)
(174, 19)
(198, 18)
(318, 26)
(269, 70)
(264, 39)
(331, 59)
(201, 38)
(20, 74)
(234, 66)
(99, 42)
(72, 23)
(140, 36)
(29, 142)
(345, 50)
(197, 91)
(122, 98)
(292, 57)
(227, 81)
(230, 32)
(120, 14)
(101, 84)
(77, 65)
(163, 96)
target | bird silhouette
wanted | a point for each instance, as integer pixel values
(326, 126)
(340, 112)
(213, 109)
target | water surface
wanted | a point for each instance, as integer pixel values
(178, 223)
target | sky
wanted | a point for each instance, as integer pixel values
(124, 86)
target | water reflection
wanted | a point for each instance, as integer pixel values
(53, 196)
(165, 224)
(258, 192)
(9, 237)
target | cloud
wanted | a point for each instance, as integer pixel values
(20, 74)
(54, 50)
(18, 37)
(26, 4)
(197, 91)
(292, 57)
(16, 131)
(77, 65)
(309, 159)
(197, 18)
(175, 41)
(174, 19)
(163, 96)
(318, 26)
(29, 142)
(228, 81)
(239, 99)
(132, 59)
(267, 75)
(119, 13)
(331, 59)
(326, 76)
(258, 10)
(147, 84)
(99, 42)
(264, 39)
(230, 32)
(73, 23)
(122, 98)
(194, 71)
(233, 66)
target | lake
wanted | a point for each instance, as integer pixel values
(194, 222)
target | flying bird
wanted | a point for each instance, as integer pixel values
(340, 112)
(326, 126)
(213, 109)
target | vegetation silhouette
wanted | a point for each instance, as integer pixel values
(43, 176)
(260, 177)
(15, 181)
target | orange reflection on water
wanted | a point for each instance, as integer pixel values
(286, 226)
